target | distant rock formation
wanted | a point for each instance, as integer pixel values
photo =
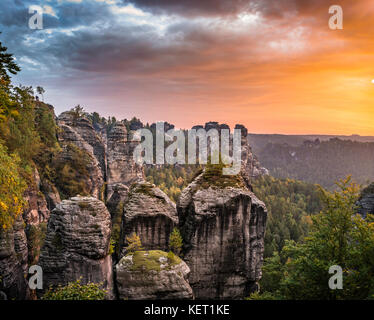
(366, 201)
(77, 244)
(121, 165)
(250, 166)
(150, 214)
(150, 275)
(13, 262)
(223, 226)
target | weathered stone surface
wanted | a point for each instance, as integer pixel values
(150, 214)
(81, 133)
(149, 275)
(223, 232)
(366, 201)
(250, 165)
(119, 195)
(77, 244)
(51, 194)
(13, 262)
(37, 210)
(88, 134)
(121, 165)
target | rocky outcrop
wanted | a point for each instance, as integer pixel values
(79, 132)
(121, 165)
(119, 196)
(37, 209)
(223, 225)
(51, 194)
(150, 214)
(366, 202)
(13, 262)
(87, 133)
(150, 275)
(250, 165)
(77, 244)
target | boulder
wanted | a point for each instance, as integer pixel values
(150, 275)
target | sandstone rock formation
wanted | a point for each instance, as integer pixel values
(13, 262)
(250, 165)
(121, 165)
(366, 201)
(222, 224)
(77, 244)
(150, 214)
(37, 209)
(80, 132)
(149, 275)
(119, 196)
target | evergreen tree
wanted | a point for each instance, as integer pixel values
(175, 241)
(133, 243)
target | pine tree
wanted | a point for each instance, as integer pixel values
(134, 243)
(175, 241)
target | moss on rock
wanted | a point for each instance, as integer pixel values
(153, 260)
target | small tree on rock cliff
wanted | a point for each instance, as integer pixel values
(175, 241)
(41, 91)
(134, 243)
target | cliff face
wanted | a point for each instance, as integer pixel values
(121, 165)
(77, 244)
(82, 134)
(223, 231)
(150, 214)
(13, 262)
(149, 275)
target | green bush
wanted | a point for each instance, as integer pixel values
(76, 291)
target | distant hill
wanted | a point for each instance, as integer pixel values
(321, 162)
(259, 141)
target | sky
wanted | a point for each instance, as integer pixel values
(273, 66)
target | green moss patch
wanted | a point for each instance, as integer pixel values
(213, 177)
(152, 260)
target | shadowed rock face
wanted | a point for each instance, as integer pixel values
(37, 209)
(121, 165)
(366, 201)
(77, 244)
(223, 231)
(13, 262)
(150, 275)
(150, 214)
(87, 133)
(81, 133)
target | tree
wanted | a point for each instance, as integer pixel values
(7, 65)
(12, 187)
(41, 91)
(133, 243)
(175, 241)
(77, 112)
(338, 236)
